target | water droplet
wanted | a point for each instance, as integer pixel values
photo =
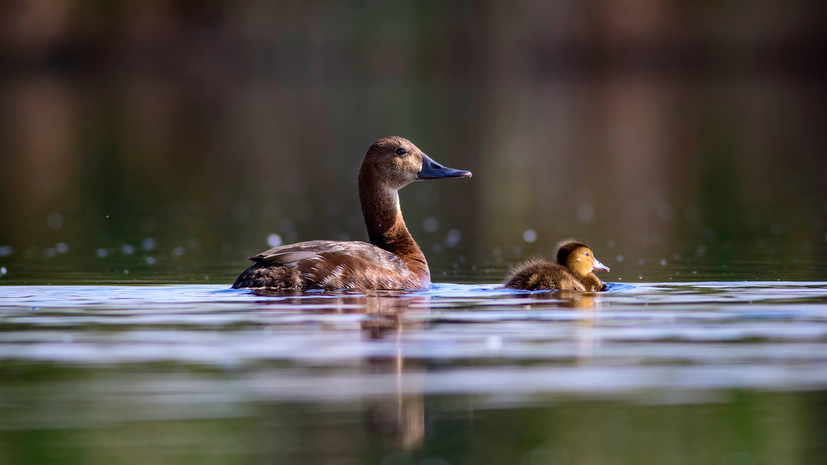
(7, 250)
(62, 247)
(453, 238)
(663, 262)
(55, 220)
(150, 260)
(585, 213)
(178, 251)
(102, 253)
(494, 342)
(620, 258)
(640, 262)
(148, 244)
(125, 271)
(51, 252)
(3, 271)
(529, 235)
(701, 250)
(274, 240)
(128, 249)
(430, 224)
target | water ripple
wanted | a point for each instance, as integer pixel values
(237, 346)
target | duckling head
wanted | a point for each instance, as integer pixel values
(579, 258)
(394, 162)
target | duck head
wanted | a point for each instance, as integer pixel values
(395, 162)
(579, 258)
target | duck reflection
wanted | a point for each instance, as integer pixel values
(587, 304)
(565, 299)
(399, 417)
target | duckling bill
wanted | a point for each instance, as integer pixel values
(573, 271)
(392, 259)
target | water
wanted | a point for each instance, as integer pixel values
(701, 372)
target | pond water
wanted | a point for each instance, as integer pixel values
(700, 372)
(147, 147)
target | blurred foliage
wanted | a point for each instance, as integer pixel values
(673, 136)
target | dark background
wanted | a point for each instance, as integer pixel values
(165, 141)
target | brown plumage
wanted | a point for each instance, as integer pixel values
(392, 259)
(573, 271)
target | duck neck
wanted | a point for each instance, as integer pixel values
(386, 228)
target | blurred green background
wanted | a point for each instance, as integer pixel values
(165, 141)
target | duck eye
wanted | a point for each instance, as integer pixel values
(401, 151)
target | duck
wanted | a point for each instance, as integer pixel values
(573, 271)
(391, 260)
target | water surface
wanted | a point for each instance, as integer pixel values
(709, 372)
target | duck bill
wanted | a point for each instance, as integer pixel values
(433, 170)
(599, 266)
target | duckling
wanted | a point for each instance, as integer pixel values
(572, 272)
(392, 259)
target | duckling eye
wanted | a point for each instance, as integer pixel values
(587, 254)
(401, 151)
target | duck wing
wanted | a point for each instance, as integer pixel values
(291, 254)
(294, 255)
(341, 265)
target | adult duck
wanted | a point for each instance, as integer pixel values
(392, 259)
(573, 271)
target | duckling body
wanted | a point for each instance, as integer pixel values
(573, 271)
(392, 259)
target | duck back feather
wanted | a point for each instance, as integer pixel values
(330, 265)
